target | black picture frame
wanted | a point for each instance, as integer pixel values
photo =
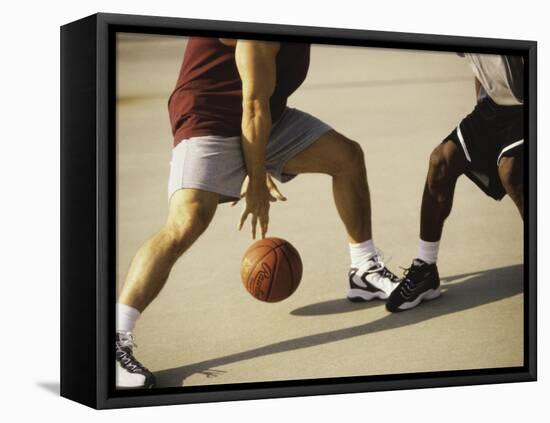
(88, 210)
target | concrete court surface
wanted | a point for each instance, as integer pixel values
(204, 328)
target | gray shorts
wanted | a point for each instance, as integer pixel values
(216, 164)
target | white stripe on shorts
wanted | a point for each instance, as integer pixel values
(509, 147)
(462, 143)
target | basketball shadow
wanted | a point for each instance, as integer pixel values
(461, 292)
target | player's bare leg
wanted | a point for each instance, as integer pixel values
(510, 171)
(189, 214)
(447, 163)
(343, 159)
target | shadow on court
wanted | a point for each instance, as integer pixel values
(338, 306)
(461, 292)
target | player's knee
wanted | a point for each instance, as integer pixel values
(440, 172)
(180, 233)
(511, 177)
(350, 157)
(355, 153)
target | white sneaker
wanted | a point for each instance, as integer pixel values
(130, 373)
(370, 281)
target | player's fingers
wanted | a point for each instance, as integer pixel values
(254, 223)
(243, 217)
(274, 192)
(244, 187)
(264, 221)
(242, 195)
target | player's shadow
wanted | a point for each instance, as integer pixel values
(338, 306)
(343, 305)
(461, 292)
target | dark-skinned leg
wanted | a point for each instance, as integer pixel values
(447, 163)
(510, 171)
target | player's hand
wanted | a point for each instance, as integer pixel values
(257, 197)
(274, 193)
(256, 204)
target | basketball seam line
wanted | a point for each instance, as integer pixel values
(273, 278)
(262, 257)
(254, 267)
(259, 260)
(291, 271)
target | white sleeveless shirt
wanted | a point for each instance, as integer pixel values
(500, 76)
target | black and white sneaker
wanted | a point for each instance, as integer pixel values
(130, 373)
(421, 282)
(371, 281)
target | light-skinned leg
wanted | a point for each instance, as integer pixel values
(343, 159)
(190, 213)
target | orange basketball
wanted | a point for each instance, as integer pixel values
(271, 269)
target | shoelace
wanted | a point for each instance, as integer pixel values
(379, 259)
(127, 340)
(408, 272)
(124, 351)
(390, 275)
(381, 267)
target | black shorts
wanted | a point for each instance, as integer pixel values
(488, 133)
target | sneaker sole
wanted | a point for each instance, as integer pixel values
(431, 294)
(358, 295)
(127, 388)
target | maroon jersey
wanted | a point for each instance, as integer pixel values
(207, 99)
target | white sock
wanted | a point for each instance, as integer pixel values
(427, 251)
(362, 252)
(126, 318)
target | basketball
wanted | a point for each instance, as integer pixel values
(271, 269)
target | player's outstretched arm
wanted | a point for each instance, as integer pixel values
(256, 63)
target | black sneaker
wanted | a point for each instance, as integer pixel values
(130, 373)
(371, 281)
(421, 282)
